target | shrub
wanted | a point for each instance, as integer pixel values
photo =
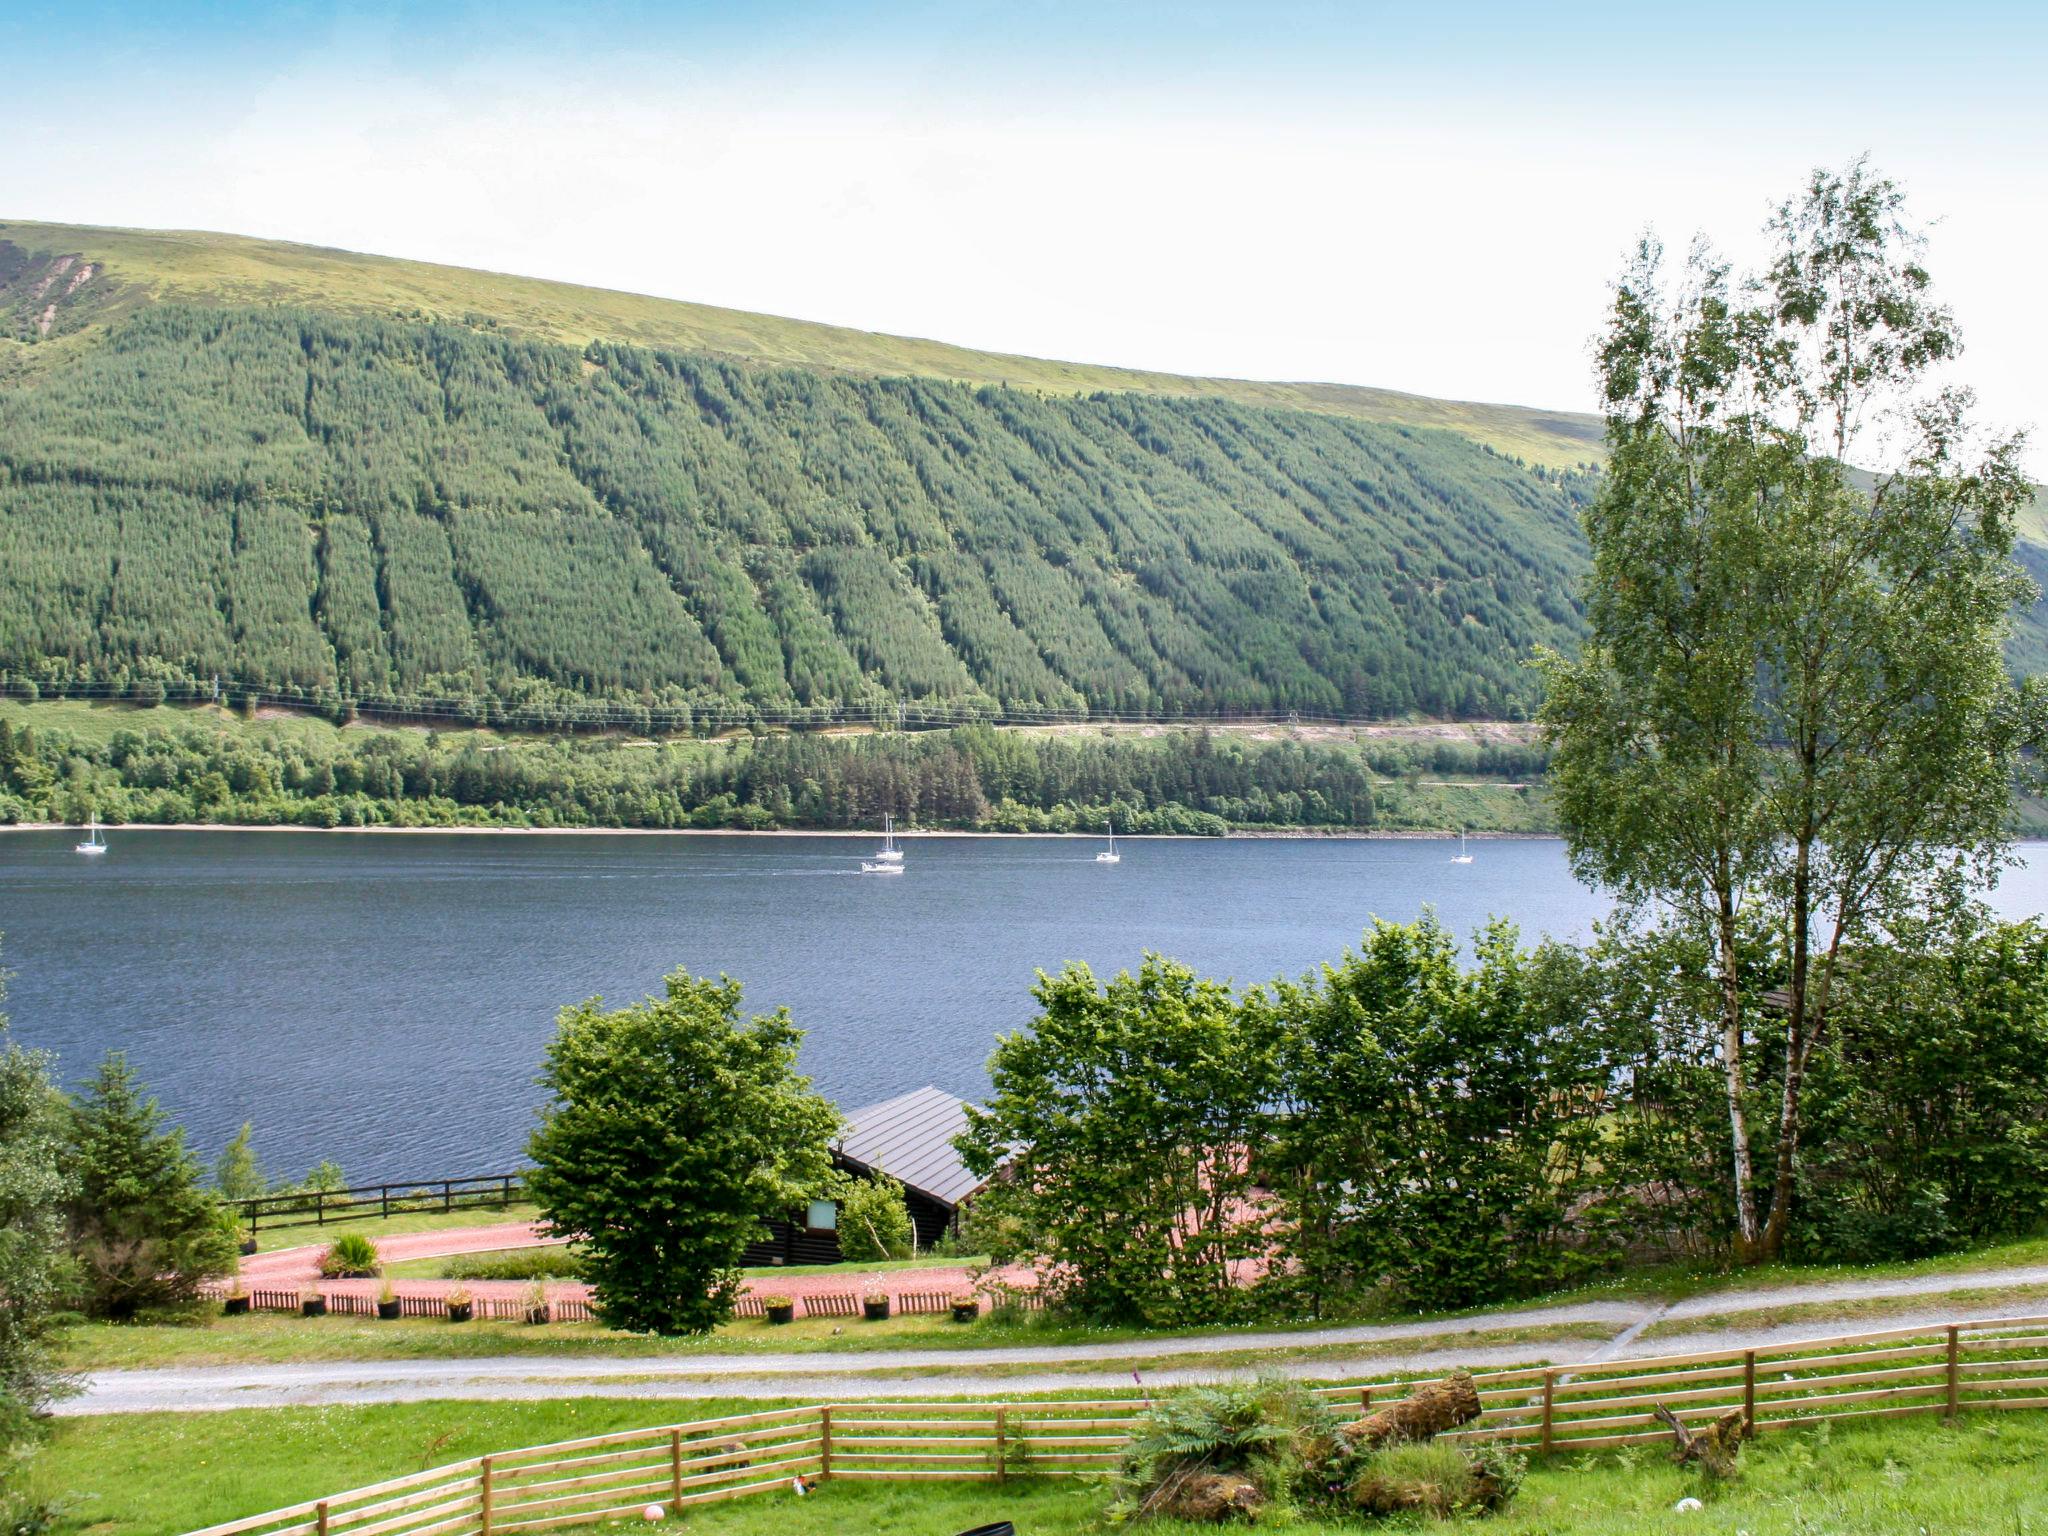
(874, 1223)
(351, 1255)
(554, 1263)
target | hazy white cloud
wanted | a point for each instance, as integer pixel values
(1460, 250)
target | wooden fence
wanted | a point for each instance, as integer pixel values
(1966, 1367)
(381, 1201)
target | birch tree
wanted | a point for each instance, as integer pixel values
(1792, 702)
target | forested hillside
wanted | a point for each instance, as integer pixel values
(339, 507)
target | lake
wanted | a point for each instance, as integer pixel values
(383, 1000)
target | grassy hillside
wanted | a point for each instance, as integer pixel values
(136, 267)
(342, 507)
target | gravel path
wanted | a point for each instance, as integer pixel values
(899, 1373)
(287, 1269)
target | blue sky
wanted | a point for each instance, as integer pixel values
(1428, 197)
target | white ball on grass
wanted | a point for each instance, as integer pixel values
(651, 1513)
(1688, 1506)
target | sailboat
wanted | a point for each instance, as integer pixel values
(889, 852)
(1110, 855)
(1461, 856)
(870, 867)
(93, 843)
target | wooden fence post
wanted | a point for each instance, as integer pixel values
(484, 1527)
(824, 1443)
(1364, 1400)
(675, 1469)
(1549, 1401)
(1002, 1446)
(320, 1517)
(1954, 1371)
(1749, 1390)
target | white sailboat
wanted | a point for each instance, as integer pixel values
(1110, 855)
(1461, 856)
(93, 843)
(889, 852)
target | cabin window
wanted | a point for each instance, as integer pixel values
(823, 1217)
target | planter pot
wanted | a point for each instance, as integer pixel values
(388, 1310)
(461, 1311)
(875, 1311)
(966, 1311)
(313, 1307)
(234, 1306)
(536, 1314)
(782, 1314)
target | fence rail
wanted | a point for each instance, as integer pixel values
(360, 1201)
(1964, 1367)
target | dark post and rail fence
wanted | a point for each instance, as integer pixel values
(363, 1201)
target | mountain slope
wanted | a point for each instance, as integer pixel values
(132, 268)
(324, 503)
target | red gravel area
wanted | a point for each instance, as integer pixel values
(290, 1268)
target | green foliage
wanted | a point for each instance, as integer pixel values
(1133, 1108)
(1186, 782)
(1437, 1481)
(143, 1229)
(1793, 698)
(337, 508)
(324, 1177)
(1443, 1125)
(1226, 1428)
(1929, 1107)
(35, 1277)
(236, 1173)
(349, 1254)
(557, 1263)
(675, 1131)
(874, 1223)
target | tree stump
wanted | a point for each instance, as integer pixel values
(1422, 1415)
(1713, 1448)
(1206, 1497)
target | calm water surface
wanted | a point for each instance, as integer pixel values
(383, 1000)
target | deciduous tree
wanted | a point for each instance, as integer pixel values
(1792, 698)
(676, 1130)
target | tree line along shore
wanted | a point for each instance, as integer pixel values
(65, 762)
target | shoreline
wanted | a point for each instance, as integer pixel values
(1262, 834)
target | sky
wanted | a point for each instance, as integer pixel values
(1428, 197)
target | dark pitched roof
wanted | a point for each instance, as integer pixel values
(910, 1138)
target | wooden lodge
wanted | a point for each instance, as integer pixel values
(909, 1138)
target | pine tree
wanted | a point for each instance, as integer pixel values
(144, 1230)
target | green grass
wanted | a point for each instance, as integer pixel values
(1874, 1311)
(198, 267)
(164, 1473)
(161, 1474)
(1683, 1282)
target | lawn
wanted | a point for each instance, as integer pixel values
(162, 1474)
(205, 1338)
